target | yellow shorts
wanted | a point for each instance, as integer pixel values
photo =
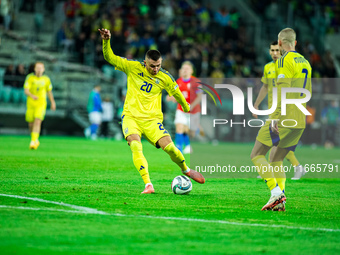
(152, 130)
(35, 112)
(288, 138)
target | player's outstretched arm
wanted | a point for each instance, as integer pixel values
(120, 63)
(107, 51)
(181, 100)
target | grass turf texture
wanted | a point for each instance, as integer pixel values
(101, 175)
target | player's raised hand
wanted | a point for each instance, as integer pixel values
(105, 33)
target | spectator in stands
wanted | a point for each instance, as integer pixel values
(60, 36)
(80, 46)
(132, 17)
(222, 17)
(117, 22)
(314, 58)
(90, 50)
(202, 14)
(175, 31)
(163, 43)
(118, 45)
(329, 65)
(86, 27)
(70, 36)
(103, 21)
(94, 108)
(71, 7)
(20, 73)
(66, 36)
(165, 12)
(135, 43)
(31, 68)
(169, 64)
(9, 77)
(144, 8)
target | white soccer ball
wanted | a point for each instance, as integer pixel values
(181, 185)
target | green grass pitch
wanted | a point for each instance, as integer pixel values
(223, 216)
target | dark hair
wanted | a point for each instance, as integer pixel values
(274, 43)
(153, 54)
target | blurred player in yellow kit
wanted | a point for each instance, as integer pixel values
(142, 114)
(269, 82)
(36, 87)
(292, 70)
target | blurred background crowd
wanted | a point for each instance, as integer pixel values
(223, 39)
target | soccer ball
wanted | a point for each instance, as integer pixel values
(181, 185)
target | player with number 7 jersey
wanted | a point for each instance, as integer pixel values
(142, 114)
(292, 70)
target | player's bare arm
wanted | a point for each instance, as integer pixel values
(109, 56)
(51, 98)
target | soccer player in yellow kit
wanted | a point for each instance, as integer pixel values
(36, 87)
(269, 81)
(142, 114)
(292, 70)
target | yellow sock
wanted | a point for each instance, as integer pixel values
(264, 171)
(292, 159)
(34, 136)
(280, 176)
(176, 155)
(139, 160)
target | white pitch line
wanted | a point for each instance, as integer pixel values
(87, 210)
(231, 223)
(40, 209)
(80, 208)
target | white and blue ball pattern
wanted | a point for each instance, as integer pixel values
(181, 185)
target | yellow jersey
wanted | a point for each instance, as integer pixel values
(144, 91)
(38, 86)
(269, 78)
(292, 70)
